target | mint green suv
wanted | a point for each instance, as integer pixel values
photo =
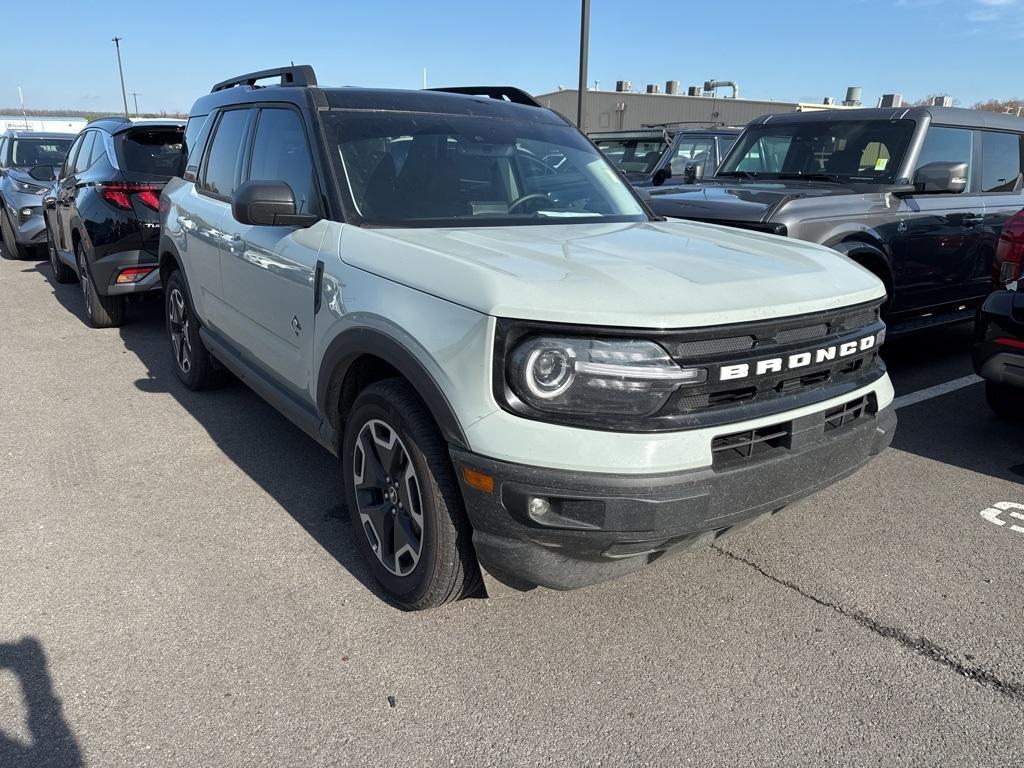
(527, 376)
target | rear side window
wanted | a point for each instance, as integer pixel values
(193, 129)
(3, 152)
(1000, 161)
(222, 162)
(156, 151)
(84, 159)
(280, 153)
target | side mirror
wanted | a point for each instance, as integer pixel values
(693, 171)
(268, 204)
(661, 175)
(43, 173)
(939, 178)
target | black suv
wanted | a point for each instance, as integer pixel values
(649, 157)
(102, 217)
(917, 195)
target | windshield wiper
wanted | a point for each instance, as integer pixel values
(738, 174)
(834, 178)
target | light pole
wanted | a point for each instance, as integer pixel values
(581, 96)
(120, 70)
(135, 96)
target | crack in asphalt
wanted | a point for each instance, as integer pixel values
(918, 645)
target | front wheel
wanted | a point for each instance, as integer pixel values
(62, 273)
(404, 501)
(12, 248)
(1006, 402)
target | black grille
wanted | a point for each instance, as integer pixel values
(751, 443)
(847, 413)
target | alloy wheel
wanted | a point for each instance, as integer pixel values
(388, 496)
(178, 327)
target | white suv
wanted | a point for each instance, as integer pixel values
(526, 374)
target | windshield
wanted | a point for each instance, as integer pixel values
(633, 155)
(404, 168)
(843, 151)
(28, 153)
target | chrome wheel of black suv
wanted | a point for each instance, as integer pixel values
(193, 364)
(403, 499)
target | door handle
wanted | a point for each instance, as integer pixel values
(972, 219)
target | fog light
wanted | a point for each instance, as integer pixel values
(133, 274)
(538, 508)
(24, 215)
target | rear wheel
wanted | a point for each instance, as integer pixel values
(404, 501)
(62, 273)
(1006, 402)
(193, 363)
(101, 311)
(12, 248)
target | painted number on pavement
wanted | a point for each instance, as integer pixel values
(1006, 513)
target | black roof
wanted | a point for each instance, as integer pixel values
(297, 85)
(952, 116)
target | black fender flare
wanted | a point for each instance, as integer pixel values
(350, 344)
(851, 247)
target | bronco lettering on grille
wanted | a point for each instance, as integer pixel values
(796, 360)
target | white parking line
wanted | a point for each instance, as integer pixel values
(939, 389)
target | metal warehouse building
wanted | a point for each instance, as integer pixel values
(627, 110)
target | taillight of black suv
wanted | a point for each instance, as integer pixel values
(102, 219)
(1009, 252)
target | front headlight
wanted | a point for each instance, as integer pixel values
(28, 189)
(561, 374)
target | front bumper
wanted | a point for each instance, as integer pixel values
(106, 269)
(28, 230)
(602, 526)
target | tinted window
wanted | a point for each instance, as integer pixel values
(3, 152)
(1000, 161)
(691, 151)
(839, 150)
(69, 161)
(947, 145)
(222, 162)
(156, 151)
(26, 153)
(193, 129)
(633, 155)
(84, 159)
(280, 153)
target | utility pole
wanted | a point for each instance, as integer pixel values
(120, 71)
(135, 96)
(581, 97)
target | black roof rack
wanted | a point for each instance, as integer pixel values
(499, 92)
(301, 75)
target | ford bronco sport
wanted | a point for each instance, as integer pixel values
(522, 370)
(917, 195)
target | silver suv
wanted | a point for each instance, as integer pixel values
(28, 160)
(526, 375)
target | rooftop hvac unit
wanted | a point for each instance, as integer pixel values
(672, 87)
(891, 100)
(829, 101)
(653, 88)
(623, 86)
(853, 96)
(694, 90)
(942, 101)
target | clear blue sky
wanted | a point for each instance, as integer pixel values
(61, 54)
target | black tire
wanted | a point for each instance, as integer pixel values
(12, 248)
(62, 273)
(445, 568)
(193, 364)
(1006, 402)
(100, 311)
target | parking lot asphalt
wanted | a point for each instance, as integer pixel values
(179, 587)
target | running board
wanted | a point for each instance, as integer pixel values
(934, 320)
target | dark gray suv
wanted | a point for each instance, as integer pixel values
(919, 196)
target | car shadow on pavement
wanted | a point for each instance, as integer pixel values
(52, 741)
(296, 471)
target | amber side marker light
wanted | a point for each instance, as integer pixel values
(478, 480)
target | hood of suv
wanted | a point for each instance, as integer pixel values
(740, 201)
(644, 275)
